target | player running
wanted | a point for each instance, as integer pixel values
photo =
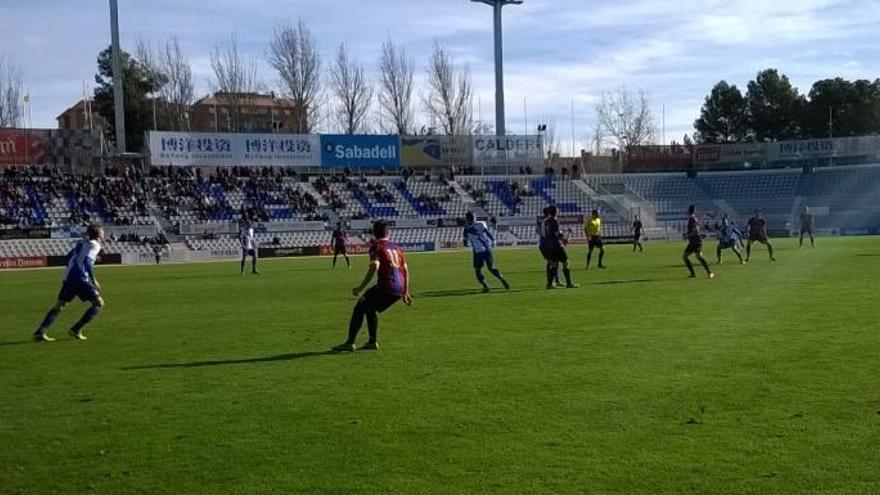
(593, 229)
(695, 244)
(729, 237)
(386, 259)
(758, 233)
(480, 239)
(553, 248)
(808, 225)
(79, 281)
(338, 240)
(248, 247)
(638, 232)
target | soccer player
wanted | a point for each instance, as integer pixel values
(248, 247)
(386, 259)
(540, 230)
(338, 239)
(480, 239)
(637, 231)
(808, 224)
(553, 248)
(593, 229)
(695, 244)
(79, 281)
(729, 237)
(758, 233)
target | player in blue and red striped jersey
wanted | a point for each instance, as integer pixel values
(388, 264)
(338, 240)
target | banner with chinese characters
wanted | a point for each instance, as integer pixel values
(204, 149)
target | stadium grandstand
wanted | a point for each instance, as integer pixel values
(185, 210)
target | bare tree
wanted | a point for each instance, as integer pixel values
(293, 53)
(11, 114)
(449, 93)
(178, 92)
(236, 78)
(551, 139)
(626, 118)
(395, 90)
(351, 91)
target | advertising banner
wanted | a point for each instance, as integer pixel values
(409, 247)
(24, 146)
(232, 227)
(435, 151)
(19, 233)
(287, 252)
(711, 154)
(507, 151)
(234, 150)
(657, 158)
(365, 151)
(23, 262)
(824, 148)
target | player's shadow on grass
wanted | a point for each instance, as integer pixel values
(618, 282)
(268, 359)
(466, 292)
(17, 342)
(867, 255)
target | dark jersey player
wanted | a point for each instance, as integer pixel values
(695, 244)
(808, 225)
(337, 241)
(553, 249)
(638, 231)
(79, 282)
(388, 262)
(539, 228)
(758, 233)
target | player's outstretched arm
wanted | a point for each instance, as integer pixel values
(407, 298)
(371, 272)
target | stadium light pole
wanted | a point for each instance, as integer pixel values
(497, 5)
(117, 78)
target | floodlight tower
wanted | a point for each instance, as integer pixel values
(117, 78)
(499, 61)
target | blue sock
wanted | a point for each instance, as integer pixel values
(48, 320)
(86, 317)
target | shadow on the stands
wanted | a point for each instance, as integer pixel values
(466, 292)
(220, 362)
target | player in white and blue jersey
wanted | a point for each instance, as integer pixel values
(478, 236)
(79, 281)
(729, 237)
(248, 247)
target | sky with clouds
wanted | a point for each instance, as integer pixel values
(557, 52)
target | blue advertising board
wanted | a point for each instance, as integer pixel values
(363, 151)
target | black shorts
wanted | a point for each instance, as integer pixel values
(595, 241)
(377, 299)
(556, 255)
(758, 238)
(806, 230)
(637, 237)
(248, 252)
(85, 291)
(339, 249)
(693, 247)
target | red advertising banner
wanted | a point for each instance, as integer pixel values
(23, 146)
(23, 262)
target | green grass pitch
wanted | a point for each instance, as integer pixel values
(197, 381)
